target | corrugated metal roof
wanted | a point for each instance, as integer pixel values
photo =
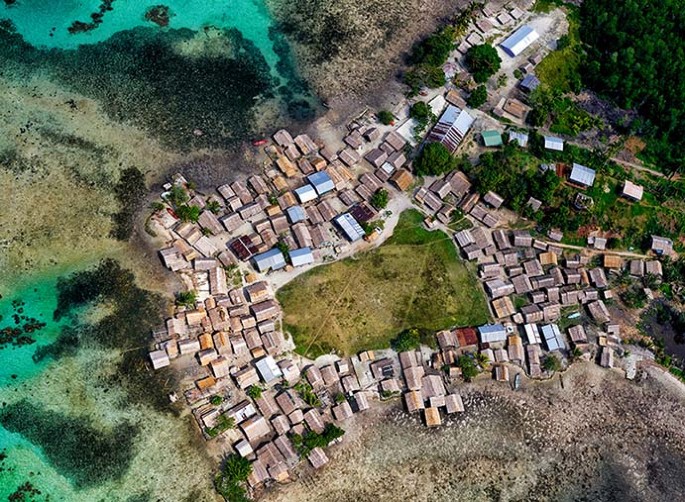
(491, 333)
(520, 137)
(582, 174)
(322, 182)
(554, 143)
(492, 138)
(518, 41)
(553, 337)
(530, 82)
(301, 256)
(296, 213)
(305, 193)
(270, 260)
(350, 227)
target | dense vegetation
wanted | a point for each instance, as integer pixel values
(636, 56)
(129, 191)
(483, 62)
(435, 159)
(76, 448)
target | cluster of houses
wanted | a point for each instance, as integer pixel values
(309, 195)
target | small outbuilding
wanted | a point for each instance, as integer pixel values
(492, 138)
(632, 191)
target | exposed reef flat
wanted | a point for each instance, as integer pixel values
(347, 49)
(600, 437)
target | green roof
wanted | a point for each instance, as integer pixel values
(492, 138)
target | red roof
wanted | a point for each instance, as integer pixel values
(466, 336)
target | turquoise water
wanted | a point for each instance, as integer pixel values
(45, 23)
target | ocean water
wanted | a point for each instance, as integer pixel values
(45, 23)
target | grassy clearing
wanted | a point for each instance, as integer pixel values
(560, 69)
(415, 279)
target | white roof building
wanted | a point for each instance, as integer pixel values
(553, 143)
(582, 175)
(492, 333)
(532, 333)
(632, 191)
(301, 257)
(349, 227)
(553, 337)
(520, 137)
(159, 359)
(268, 369)
(270, 260)
(519, 41)
(305, 193)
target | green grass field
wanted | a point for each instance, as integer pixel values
(415, 279)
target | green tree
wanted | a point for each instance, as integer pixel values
(385, 117)
(178, 195)
(254, 391)
(230, 482)
(468, 368)
(216, 400)
(435, 159)
(551, 363)
(409, 339)
(420, 111)
(213, 206)
(482, 61)
(478, 97)
(379, 200)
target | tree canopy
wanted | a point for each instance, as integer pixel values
(482, 61)
(434, 159)
(636, 56)
(478, 97)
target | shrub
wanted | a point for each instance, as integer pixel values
(188, 213)
(254, 391)
(551, 363)
(186, 298)
(434, 159)
(385, 117)
(468, 368)
(306, 442)
(216, 400)
(230, 482)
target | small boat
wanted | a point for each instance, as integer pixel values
(172, 212)
(517, 381)
(260, 142)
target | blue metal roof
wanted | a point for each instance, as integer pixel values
(530, 82)
(519, 40)
(520, 137)
(272, 259)
(322, 182)
(296, 213)
(301, 256)
(553, 337)
(490, 333)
